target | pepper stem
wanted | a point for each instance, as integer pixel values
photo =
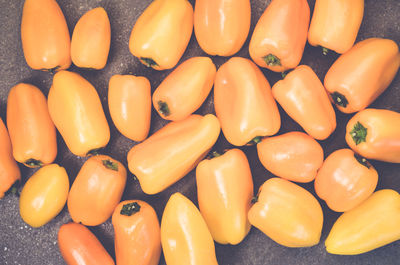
(33, 163)
(339, 99)
(110, 164)
(362, 160)
(272, 60)
(163, 108)
(254, 199)
(255, 140)
(130, 208)
(94, 152)
(358, 133)
(284, 74)
(325, 51)
(52, 70)
(148, 62)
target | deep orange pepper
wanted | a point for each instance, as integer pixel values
(295, 156)
(224, 192)
(129, 102)
(32, 132)
(303, 97)
(173, 151)
(137, 233)
(222, 26)
(280, 35)
(162, 32)
(360, 75)
(335, 24)
(97, 190)
(9, 170)
(79, 246)
(345, 180)
(375, 134)
(185, 89)
(243, 102)
(45, 36)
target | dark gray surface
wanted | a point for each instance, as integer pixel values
(20, 244)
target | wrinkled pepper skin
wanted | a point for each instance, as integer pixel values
(129, 103)
(162, 32)
(185, 237)
(224, 192)
(283, 209)
(45, 37)
(294, 156)
(184, 90)
(222, 26)
(172, 152)
(97, 190)
(137, 234)
(335, 24)
(91, 40)
(243, 102)
(79, 246)
(360, 75)
(32, 132)
(76, 110)
(44, 195)
(375, 134)
(303, 97)
(345, 180)
(9, 170)
(280, 35)
(372, 224)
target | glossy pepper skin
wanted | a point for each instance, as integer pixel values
(345, 180)
(222, 26)
(172, 152)
(372, 224)
(44, 195)
(45, 36)
(360, 75)
(243, 102)
(375, 134)
(137, 234)
(97, 190)
(224, 192)
(76, 110)
(335, 23)
(162, 32)
(9, 170)
(185, 237)
(283, 209)
(294, 156)
(280, 35)
(31, 129)
(79, 246)
(303, 97)
(91, 40)
(184, 90)
(129, 103)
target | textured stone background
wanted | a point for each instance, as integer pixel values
(20, 244)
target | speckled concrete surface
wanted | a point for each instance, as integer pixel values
(20, 244)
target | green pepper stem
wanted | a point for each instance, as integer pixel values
(325, 51)
(148, 62)
(163, 108)
(358, 133)
(110, 164)
(272, 60)
(362, 160)
(255, 140)
(94, 152)
(130, 208)
(254, 199)
(33, 163)
(339, 99)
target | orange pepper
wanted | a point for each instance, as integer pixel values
(222, 26)
(280, 35)
(303, 97)
(295, 156)
(224, 191)
(184, 90)
(243, 102)
(129, 102)
(162, 33)
(375, 134)
(32, 132)
(185, 237)
(360, 75)
(79, 246)
(91, 39)
(76, 110)
(9, 170)
(45, 36)
(287, 213)
(335, 23)
(345, 180)
(97, 190)
(172, 152)
(137, 233)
